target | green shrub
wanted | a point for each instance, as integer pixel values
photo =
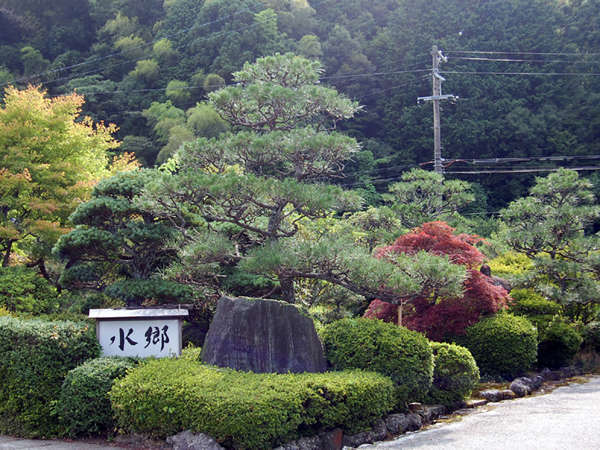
(24, 290)
(36, 357)
(529, 303)
(245, 409)
(403, 355)
(455, 374)
(192, 353)
(503, 345)
(83, 406)
(591, 336)
(536, 308)
(558, 344)
(510, 264)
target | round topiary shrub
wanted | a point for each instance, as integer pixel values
(83, 406)
(558, 344)
(403, 355)
(503, 345)
(455, 374)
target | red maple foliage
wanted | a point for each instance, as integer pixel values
(437, 238)
(439, 318)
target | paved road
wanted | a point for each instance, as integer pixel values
(568, 418)
(7, 442)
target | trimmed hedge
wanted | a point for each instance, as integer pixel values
(503, 345)
(36, 357)
(245, 409)
(455, 374)
(558, 344)
(403, 355)
(83, 406)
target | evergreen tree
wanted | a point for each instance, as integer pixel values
(250, 190)
(549, 226)
(118, 248)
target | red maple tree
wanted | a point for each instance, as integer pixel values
(439, 318)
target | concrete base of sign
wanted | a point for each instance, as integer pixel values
(139, 332)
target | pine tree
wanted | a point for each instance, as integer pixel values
(247, 192)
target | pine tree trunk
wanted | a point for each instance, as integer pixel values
(287, 289)
(399, 320)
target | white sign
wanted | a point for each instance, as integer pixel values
(139, 333)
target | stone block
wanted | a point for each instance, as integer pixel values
(186, 440)
(377, 433)
(264, 336)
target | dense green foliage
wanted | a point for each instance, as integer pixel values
(550, 226)
(455, 374)
(503, 345)
(83, 406)
(244, 409)
(403, 355)
(244, 200)
(117, 247)
(536, 308)
(527, 302)
(125, 54)
(24, 290)
(558, 344)
(36, 357)
(50, 159)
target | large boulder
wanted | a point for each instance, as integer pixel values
(262, 336)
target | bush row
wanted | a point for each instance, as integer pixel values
(245, 409)
(36, 357)
(164, 397)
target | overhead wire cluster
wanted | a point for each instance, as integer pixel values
(527, 164)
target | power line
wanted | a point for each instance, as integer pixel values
(532, 170)
(373, 74)
(521, 53)
(380, 91)
(590, 74)
(523, 159)
(546, 61)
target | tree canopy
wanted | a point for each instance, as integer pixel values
(529, 93)
(51, 158)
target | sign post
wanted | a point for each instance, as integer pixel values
(139, 332)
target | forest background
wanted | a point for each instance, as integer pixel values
(147, 66)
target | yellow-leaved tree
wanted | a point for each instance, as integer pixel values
(50, 159)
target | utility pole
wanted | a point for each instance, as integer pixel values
(437, 58)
